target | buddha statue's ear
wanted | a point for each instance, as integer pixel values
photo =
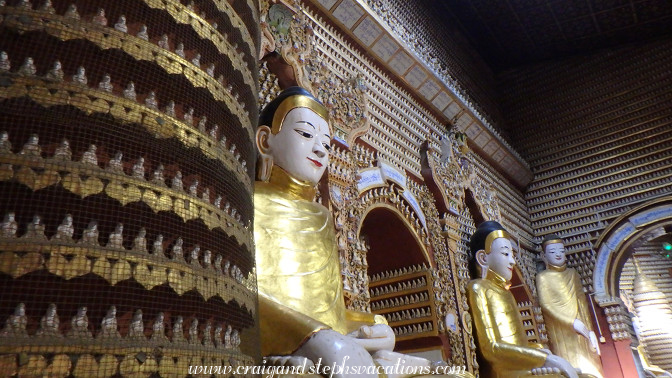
(265, 161)
(482, 260)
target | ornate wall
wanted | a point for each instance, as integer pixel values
(597, 131)
(394, 163)
(127, 163)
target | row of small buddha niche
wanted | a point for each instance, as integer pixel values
(502, 342)
(15, 327)
(400, 301)
(32, 149)
(302, 311)
(65, 231)
(56, 74)
(121, 25)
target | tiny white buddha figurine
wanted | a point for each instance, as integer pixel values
(80, 76)
(193, 188)
(5, 64)
(206, 195)
(207, 334)
(218, 201)
(9, 226)
(35, 229)
(71, 12)
(136, 329)
(235, 340)
(63, 152)
(106, 83)
(90, 235)
(15, 325)
(49, 323)
(213, 131)
(177, 253)
(116, 164)
(207, 259)
(193, 333)
(32, 147)
(142, 34)
(65, 230)
(219, 342)
(195, 253)
(225, 269)
(157, 176)
(140, 241)
(179, 50)
(189, 117)
(129, 92)
(79, 325)
(56, 72)
(121, 24)
(178, 331)
(100, 18)
(218, 264)
(108, 326)
(159, 329)
(196, 60)
(116, 239)
(210, 70)
(170, 109)
(157, 246)
(227, 337)
(89, 156)
(47, 7)
(151, 101)
(163, 42)
(26, 4)
(28, 68)
(202, 124)
(139, 168)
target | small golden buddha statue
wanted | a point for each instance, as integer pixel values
(566, 310)
(301, 305)
(503, 348)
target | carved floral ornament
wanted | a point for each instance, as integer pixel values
(286, 30)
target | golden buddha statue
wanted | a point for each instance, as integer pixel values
(301, 306)
(503, 349)
(565, 310)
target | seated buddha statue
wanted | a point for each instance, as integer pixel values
(565, 308)
(301, 306)
(503, 349)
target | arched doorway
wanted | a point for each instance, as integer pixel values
(401, 283)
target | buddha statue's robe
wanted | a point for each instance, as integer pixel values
(298, 270)
(502, 343)
(562, 300)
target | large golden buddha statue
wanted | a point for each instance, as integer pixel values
(503, 348)
(565, 310)
(301, 305)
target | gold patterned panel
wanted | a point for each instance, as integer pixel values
(108, 38)
(127, 111)
(69, 261)
(85, 180)
(183, 15)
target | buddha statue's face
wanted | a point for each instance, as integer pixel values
(500, 259)
(301, 147)
(554, 254)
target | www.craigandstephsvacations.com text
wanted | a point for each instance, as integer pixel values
(326, 370)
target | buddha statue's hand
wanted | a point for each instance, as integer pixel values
(330, 348)
(595, 344)
(408, 366)
(553, 361)
(581, 328)
(375, 337)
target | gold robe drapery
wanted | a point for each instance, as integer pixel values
(298, 269)
(562, 300)
(501, 339)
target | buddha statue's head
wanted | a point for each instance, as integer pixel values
(294, 135)
(553, 251)
(491, 248)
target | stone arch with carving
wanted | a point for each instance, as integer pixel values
(614, 245)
